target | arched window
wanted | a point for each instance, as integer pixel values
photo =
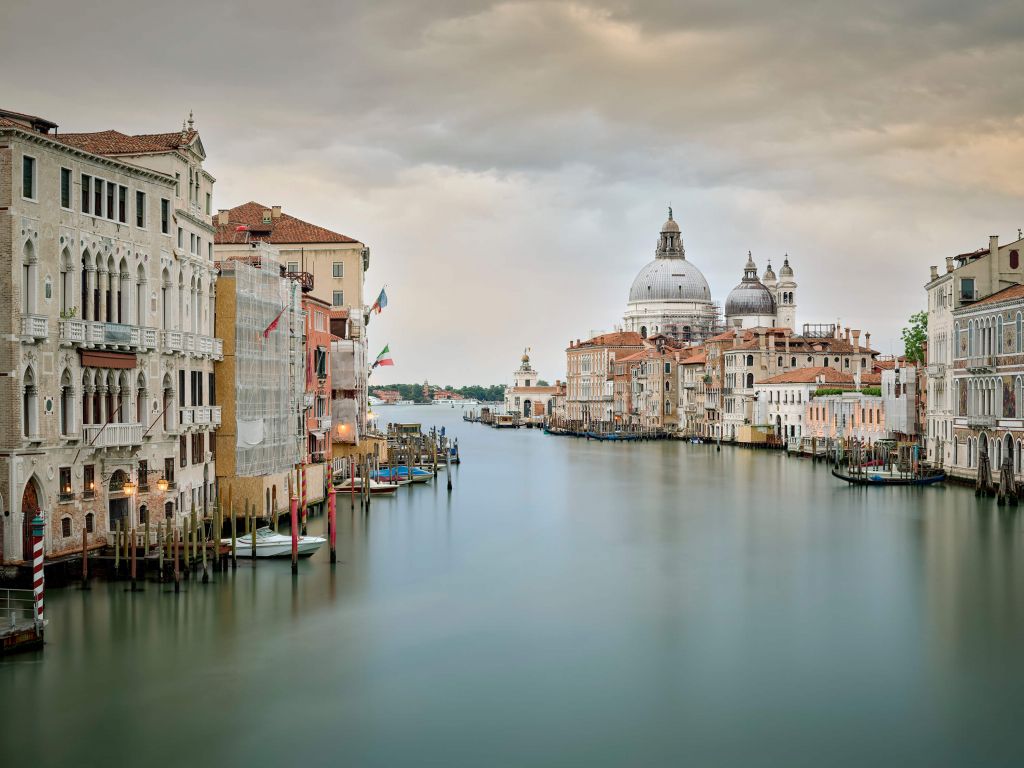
(168, 404)
(140, 296)
(29, 405)
(140, 400)
(124, 293)
(65, 527)
(970, 338)
(779, 361)
(67, 404)
(90, 522)
(999, 335)
(143, 514)
(750, 359)
(67, 283)
(28, 279)
(1019, 335)
(168, 510)
(750, 381)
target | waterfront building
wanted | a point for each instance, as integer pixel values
(589, 367)
(770, 302)
(750, 356)
(988, 371)
(316, 459)
(350, 416)
(527, 396)
(967, 279)
(336, 263)
(644, 387)
(108, 411)
(261, 380)
(389, 396)
(691, 376)
(670, 295)
(853, 415)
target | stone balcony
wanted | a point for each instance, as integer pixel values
(199, 416)
(34, 327)
(981, 422)
(117, 336)
(980, 363)
(194, 344)
(324, 422)
(936, 370)
(124, 435)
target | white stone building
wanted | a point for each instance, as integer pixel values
(968, 278)
(670, 295)
(109, 408)
(767, 303)
(527, 396)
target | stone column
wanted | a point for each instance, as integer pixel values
(90, 286)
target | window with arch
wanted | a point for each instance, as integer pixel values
(67, 404)
(999, 335)
(90, 522)
(750, 380)
(750, 359)
(1019, 340)
(28, 279)
(29, 404)
(65, 527)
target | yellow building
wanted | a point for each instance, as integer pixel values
(337, 262)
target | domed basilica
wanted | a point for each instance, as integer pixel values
(670, 296)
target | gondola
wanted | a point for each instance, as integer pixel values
(870, 477)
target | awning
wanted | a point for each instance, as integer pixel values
(93, 359)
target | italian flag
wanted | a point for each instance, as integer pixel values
(380, 303)
(384, 358)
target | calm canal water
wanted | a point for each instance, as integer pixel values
(571, 603)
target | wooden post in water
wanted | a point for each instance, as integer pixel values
(184, 543)
(133, 563)
(177, 553)
(85, 558)
(252, 535)
(234, 538)
(204, 544)
(194, 530)
(145, 548)
(293, 505)
(117, 548)
(332, 521)
(159, 553)
(352, 481)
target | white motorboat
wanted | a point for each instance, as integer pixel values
(273, 544)
(377, 488)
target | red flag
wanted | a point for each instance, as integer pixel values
(273, 325)
(241, 228)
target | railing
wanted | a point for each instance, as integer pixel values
(35, 326)
(112, 435)
(72, 331)
(305, 280)
(936, 370)
(215, 415)
(186, 417)
(173, 341)
(17, 607)
(217, 351)
(324, 422)
(981, 422)
(980, 361)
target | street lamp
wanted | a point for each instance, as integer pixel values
(162, 484)
(128, 487)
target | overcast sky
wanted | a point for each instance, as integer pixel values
(510, 164)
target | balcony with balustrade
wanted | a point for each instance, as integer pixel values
(114, 435)
(34, 327)
(115, 336)
(200, 416)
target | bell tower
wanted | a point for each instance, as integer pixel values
(785, 295)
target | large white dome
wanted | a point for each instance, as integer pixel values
(670, 279)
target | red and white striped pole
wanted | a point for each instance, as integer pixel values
(332, 520)
(37, 565)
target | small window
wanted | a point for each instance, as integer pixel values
(90, 522)
(65, 187)
(86, 193)
(209, 204)
(140, 209)
(65, 527)
(967, 289)
(181, 237)
(1014, 259)
(165, 216)
(89, 481)
(122, 204)
(183, 445)
(338, 298)
(111, 190)
(28, 177)
(66, 492)
(293, 266)
(339, 269)
(97, 197)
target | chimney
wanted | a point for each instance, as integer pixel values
(867, 340)
(223, 217)
(846, 334)
(856, 341)
(949, 264)
(771, 341)
(935, 273)
(785, 336)
(275, 211)
(856, 379)
(993, 263)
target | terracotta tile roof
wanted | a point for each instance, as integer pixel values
(283, 230)
(616, 339)
(810, 376)
(5, 123)
(697, 359)
(1007, 294)
(872, 379)
(117, 143)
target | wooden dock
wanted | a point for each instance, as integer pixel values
(19, 630)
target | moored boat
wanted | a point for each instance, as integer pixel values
(880, 476)
(377, 488)
(269, 543)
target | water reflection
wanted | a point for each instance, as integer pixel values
(569, 602)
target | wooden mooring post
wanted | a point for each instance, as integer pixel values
(85, 558)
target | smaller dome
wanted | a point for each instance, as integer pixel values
(786, 271)
(769, 274)
(750, 297)
(670, 225)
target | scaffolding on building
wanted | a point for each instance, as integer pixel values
(268, 367)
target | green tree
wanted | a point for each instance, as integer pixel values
(914, 337)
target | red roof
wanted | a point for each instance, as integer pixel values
(283, 230)
(810, 376)
(117, 143)
(616, 339)
(1007, 294)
